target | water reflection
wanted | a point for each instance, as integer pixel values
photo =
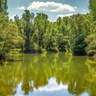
(48, 75)
(52, 89)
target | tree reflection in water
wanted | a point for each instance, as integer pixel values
(34, 72)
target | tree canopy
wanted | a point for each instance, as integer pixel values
(32, 33)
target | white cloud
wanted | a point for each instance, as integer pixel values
(12, 17)
(51, 6)
(84, 10)
(61, 15)
(21, 8)
(52, 86)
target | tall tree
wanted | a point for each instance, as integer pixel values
(9, 36)
(27, 19)
(3, 6)
(41, 25)
(92, 7)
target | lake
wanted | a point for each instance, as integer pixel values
(53, 74)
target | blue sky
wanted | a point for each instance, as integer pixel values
(53, 8)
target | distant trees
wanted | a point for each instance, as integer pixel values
(66, 34)
(91, 44)
(92, 7)
(91, 48)
(40, 30)
(9, 36)
(27, 18)
(3, 7)
(75, 34)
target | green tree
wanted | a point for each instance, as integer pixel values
(41, 25)
(20, 24)
(90, 40)
(79, 29)
(79, 45)
(9, 36)
(3, 6)
(91, 45)
(92, 7)
(27, 20)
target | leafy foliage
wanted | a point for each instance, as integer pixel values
(92, 7)
(91, 41)
(79, 45)
(69, 34)
(9, 36)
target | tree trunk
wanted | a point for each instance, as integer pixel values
(2, 56)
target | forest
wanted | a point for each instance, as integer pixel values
(36, 34)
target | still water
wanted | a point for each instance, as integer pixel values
(48, 75)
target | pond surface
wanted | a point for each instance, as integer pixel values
(48, 75)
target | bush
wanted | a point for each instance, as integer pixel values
(91, 45)
(42, 50)
(91, 52)
(79, 45)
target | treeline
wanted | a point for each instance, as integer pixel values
(69, 34)
(75, 34)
